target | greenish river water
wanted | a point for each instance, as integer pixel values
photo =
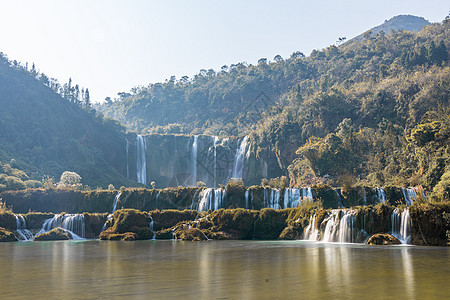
(221, 270)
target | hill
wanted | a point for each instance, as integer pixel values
(43, 134)
(358, 112)
(401, 22)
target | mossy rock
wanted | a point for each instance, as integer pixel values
(35, 220)
(190, 234)
(170, 217)
(6, 235)
(125, 219)
(430, 224)
(164, 234)
(237, 222)
(55, 234)
(291, 233)
(383, 239)
(127, 225)
(270, 223)
(8, 220)
(93, 223)
(217, 235)
(113, 236)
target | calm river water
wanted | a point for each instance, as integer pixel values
(221, 270)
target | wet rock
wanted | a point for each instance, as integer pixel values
(190, 234)
(55, 234)
(383, 239)
(6, 235)
(128, 225)
(112, 236)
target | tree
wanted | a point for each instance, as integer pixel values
(87, 100)
(297, 54)
(70, 180)
(278, 58)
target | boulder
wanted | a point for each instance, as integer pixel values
(55, 234)
(383, 239)
(6, 235)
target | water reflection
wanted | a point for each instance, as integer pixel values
(228, 269)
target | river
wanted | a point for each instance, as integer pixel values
(94, 269)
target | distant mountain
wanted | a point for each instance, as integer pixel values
(401, 22)
(43, 134)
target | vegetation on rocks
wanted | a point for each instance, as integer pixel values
(383, 239)
(127, 224)
(6, 235)
(55, 234)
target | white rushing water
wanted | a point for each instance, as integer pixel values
(239, 158)
(409, 195)
(141, 164)
(116, 200)
(380, 195)
(311, 232)
(127, 149)
(211, 199)
(74, 223)
(194, 161)
(23, 233)
(401, 225)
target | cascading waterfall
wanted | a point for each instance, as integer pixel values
(239, 158)
(116, 200)
(22, 231)
(311, 232)
(292, 197)
(340, 227)
(215, 142)
(272, 198)
(401, 225)
(364, 197)
(194, 161)
(405, 223)
(338, 195)
(127, 148)
(74, 223)
(380, 195)
(141, 160)
(409, 195)
(211, 199)
(246, 199)
(151, 227)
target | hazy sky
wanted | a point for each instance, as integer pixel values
(110, 46)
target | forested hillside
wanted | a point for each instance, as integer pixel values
(43, 133)
(374, 110)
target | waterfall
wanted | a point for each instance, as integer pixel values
(141, 160)
(211, 199)
(409, 194)
(116, 200)
(194, 161)
(151, 227)
(395, 223)
(127, 148)
(405, 224)
(292, 197)
(311, 232)
(364, 196)
(340, 229)
(216, 141)
(246, 199)
(239, 158)
(338, 195)
(380, 195)
(74, 223)
(22, 231)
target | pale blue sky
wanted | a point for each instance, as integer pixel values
(110, 46)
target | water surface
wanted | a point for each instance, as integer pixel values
(221, 270)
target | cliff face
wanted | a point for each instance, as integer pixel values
(181, 160)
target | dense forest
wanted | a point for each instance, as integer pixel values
(47, 129)
(371, 111)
